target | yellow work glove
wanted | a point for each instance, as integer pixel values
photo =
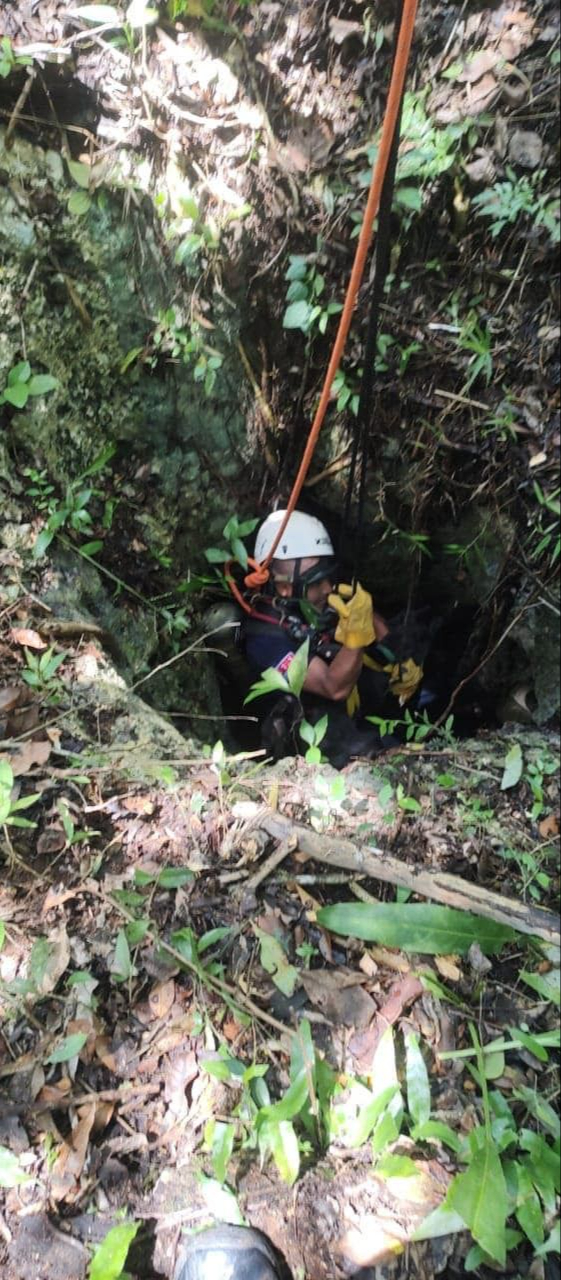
(355, 629)
(405, 678)
(353, 702)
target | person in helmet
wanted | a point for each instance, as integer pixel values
(352, 672)
(230, 1253)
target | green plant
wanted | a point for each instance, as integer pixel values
(313, 734)
(530, 864)
(21, 384)
(72, 510)
(517, 197)
(10, 61)
(9, 808)
(233, 533)
(41, 672)
(477, 340)
(512, 1172)
(110, 1256)
(546, 531)
(540, 765)
(306, 287)
(171, 338)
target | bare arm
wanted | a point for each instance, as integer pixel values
(337, 679)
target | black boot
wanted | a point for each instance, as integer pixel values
(230, 1253)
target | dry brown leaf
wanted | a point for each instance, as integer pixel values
(56, 961)
(549, 826)
(54, 898)
(104, 1052)
(481, 95)
(29, 754)
(340, 997)
(363, 1046)
(161, 998)
(138, 804)
(9, 698)
(52, 841)
(30, 639)
(72, 1156)
(448, 968)
(477, 66)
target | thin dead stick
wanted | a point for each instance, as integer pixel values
(287, 846)
(31, 74)
(64, 1102)
(337, 851)
(194, 647)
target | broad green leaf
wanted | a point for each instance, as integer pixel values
(270, 682)
(386, 1131)
(40, 383)
(68, 1048)
(418, 927)
(531, 1043)
(393, 1166)
(11, 1173)
(217, 555)
(547, 985)
(122, 966)
(361, 1128)
(136, 931)
(418, 1087)
(514, 765)
(81, 173)
(222, 1147)
(297, 316)
(110, 1256)
(78, 203)
(275, 962)
(175, 877)
(529, 1212)
(298, 669)
(480, 1197)
(17, 395)
(441, 1222)
(409, 198)
(19, 373)
(552, 1244)
(212, 937)
(440, 1132)
(283, 1145)
(221, 1202)
(91, 548)
(289, 1106)
(540, 1109)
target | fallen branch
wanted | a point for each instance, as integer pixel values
(437, 885)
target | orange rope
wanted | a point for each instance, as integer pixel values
(261, 574)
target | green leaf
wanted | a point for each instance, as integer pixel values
(19, 373)
(222, 1147)
(41, 543)
(409, 198)
(2, 934)
(441, 1222)
(361, 1128)
(79, 202)
(91, 548)
(110, 1256)
(274, 961)
(270, 681)
(240, 552)
(221, 1202)
(11, 1173)
(297, 316)
(552, 1244)
(298, 669)
(418, 927)
(393, 1166)
(217, 555)
(40, 383)
(514, 764)
(122, 966)
(81, 173)
(440, 1132)
(17, 395)
(547, 985)
(529, 1212)
(542, 1111)
(68, 1048)
(175, 877)
(418, 1087)
(290, 1105)
(282, 1142)
(480, 1198)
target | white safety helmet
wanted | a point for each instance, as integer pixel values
(304, 536)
